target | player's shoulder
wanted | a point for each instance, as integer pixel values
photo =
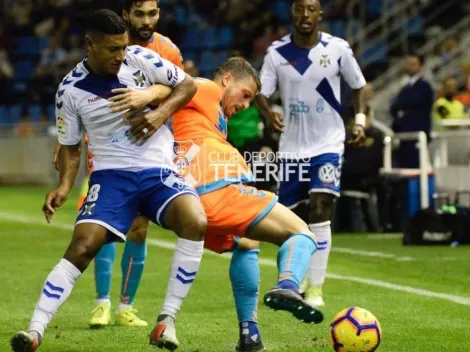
(279, 43)
(334, 42)
(67, 86)
(207, 90)
(140, 52)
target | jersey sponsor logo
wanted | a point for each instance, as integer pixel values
(325, 61)
(92, 100)
(288, 63)
(172, 76)
(320, 105)
(297, 107)
(329, 173)
(61, 126)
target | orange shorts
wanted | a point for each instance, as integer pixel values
(231, 211)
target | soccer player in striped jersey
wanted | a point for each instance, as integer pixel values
(141, 18)
(133, 165)
(307, 65)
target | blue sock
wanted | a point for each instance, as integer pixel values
(103, 270)
(132, 265)
(293, 260)
(245, 278)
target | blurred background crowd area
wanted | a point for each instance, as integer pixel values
(41, 40)
(414, 55)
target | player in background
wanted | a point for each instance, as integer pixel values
(307, 66)
(236, 210)
(134, 171)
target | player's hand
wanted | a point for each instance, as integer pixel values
(130, 99)
(275, 121)
(358, 135)
(145, 124)
(55, 156)
(54, 201)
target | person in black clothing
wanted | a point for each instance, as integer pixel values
(411, 110)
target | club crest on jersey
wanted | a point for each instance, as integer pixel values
(325, 61)
(184, 152)
(60, 124)
(139, 79)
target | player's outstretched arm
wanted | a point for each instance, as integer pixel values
(137, 99)
(146, 124)
(68, 163)
(358, 132)
(273, 119)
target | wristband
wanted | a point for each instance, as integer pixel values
(361, 119)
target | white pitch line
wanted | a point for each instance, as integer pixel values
(269, 262)
(370, 254)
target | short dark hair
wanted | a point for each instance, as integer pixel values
(105, 21)
(128, 3)
(239, 68)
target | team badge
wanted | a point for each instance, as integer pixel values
(185, 158)
(325, 61)
(139, 78)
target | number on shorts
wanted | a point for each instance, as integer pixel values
(93, 193)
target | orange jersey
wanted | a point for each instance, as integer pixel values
(164, 47)
(203, 155)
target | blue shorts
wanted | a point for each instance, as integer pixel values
(116, 197)
(299, 178)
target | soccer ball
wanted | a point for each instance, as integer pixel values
(355, 330)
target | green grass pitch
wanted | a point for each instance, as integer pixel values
(421, 295)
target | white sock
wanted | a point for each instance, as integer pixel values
(184, 267)
(123, 306)
(106, 301)
(56, 290)
(317, 270)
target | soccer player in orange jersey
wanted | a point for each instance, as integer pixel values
(238, 215)
(141, 17)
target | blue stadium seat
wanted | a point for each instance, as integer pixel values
(206, 61)
(190, 55)
(14, 113)
(282, 11)
(374, 8)
(3, 115)
(338, 28)
(28, 45)
(210, 39)
(34, 112)
(190, 39)
(225, 36)
(376, 53)
(180, 15)
(44, 43)
(415, 25)
(221, 56)
(51, 112)
(23, 69)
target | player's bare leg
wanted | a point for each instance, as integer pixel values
(321, 205)
(245, 277)
(187, 218)
(87, 240)
(297, 244)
